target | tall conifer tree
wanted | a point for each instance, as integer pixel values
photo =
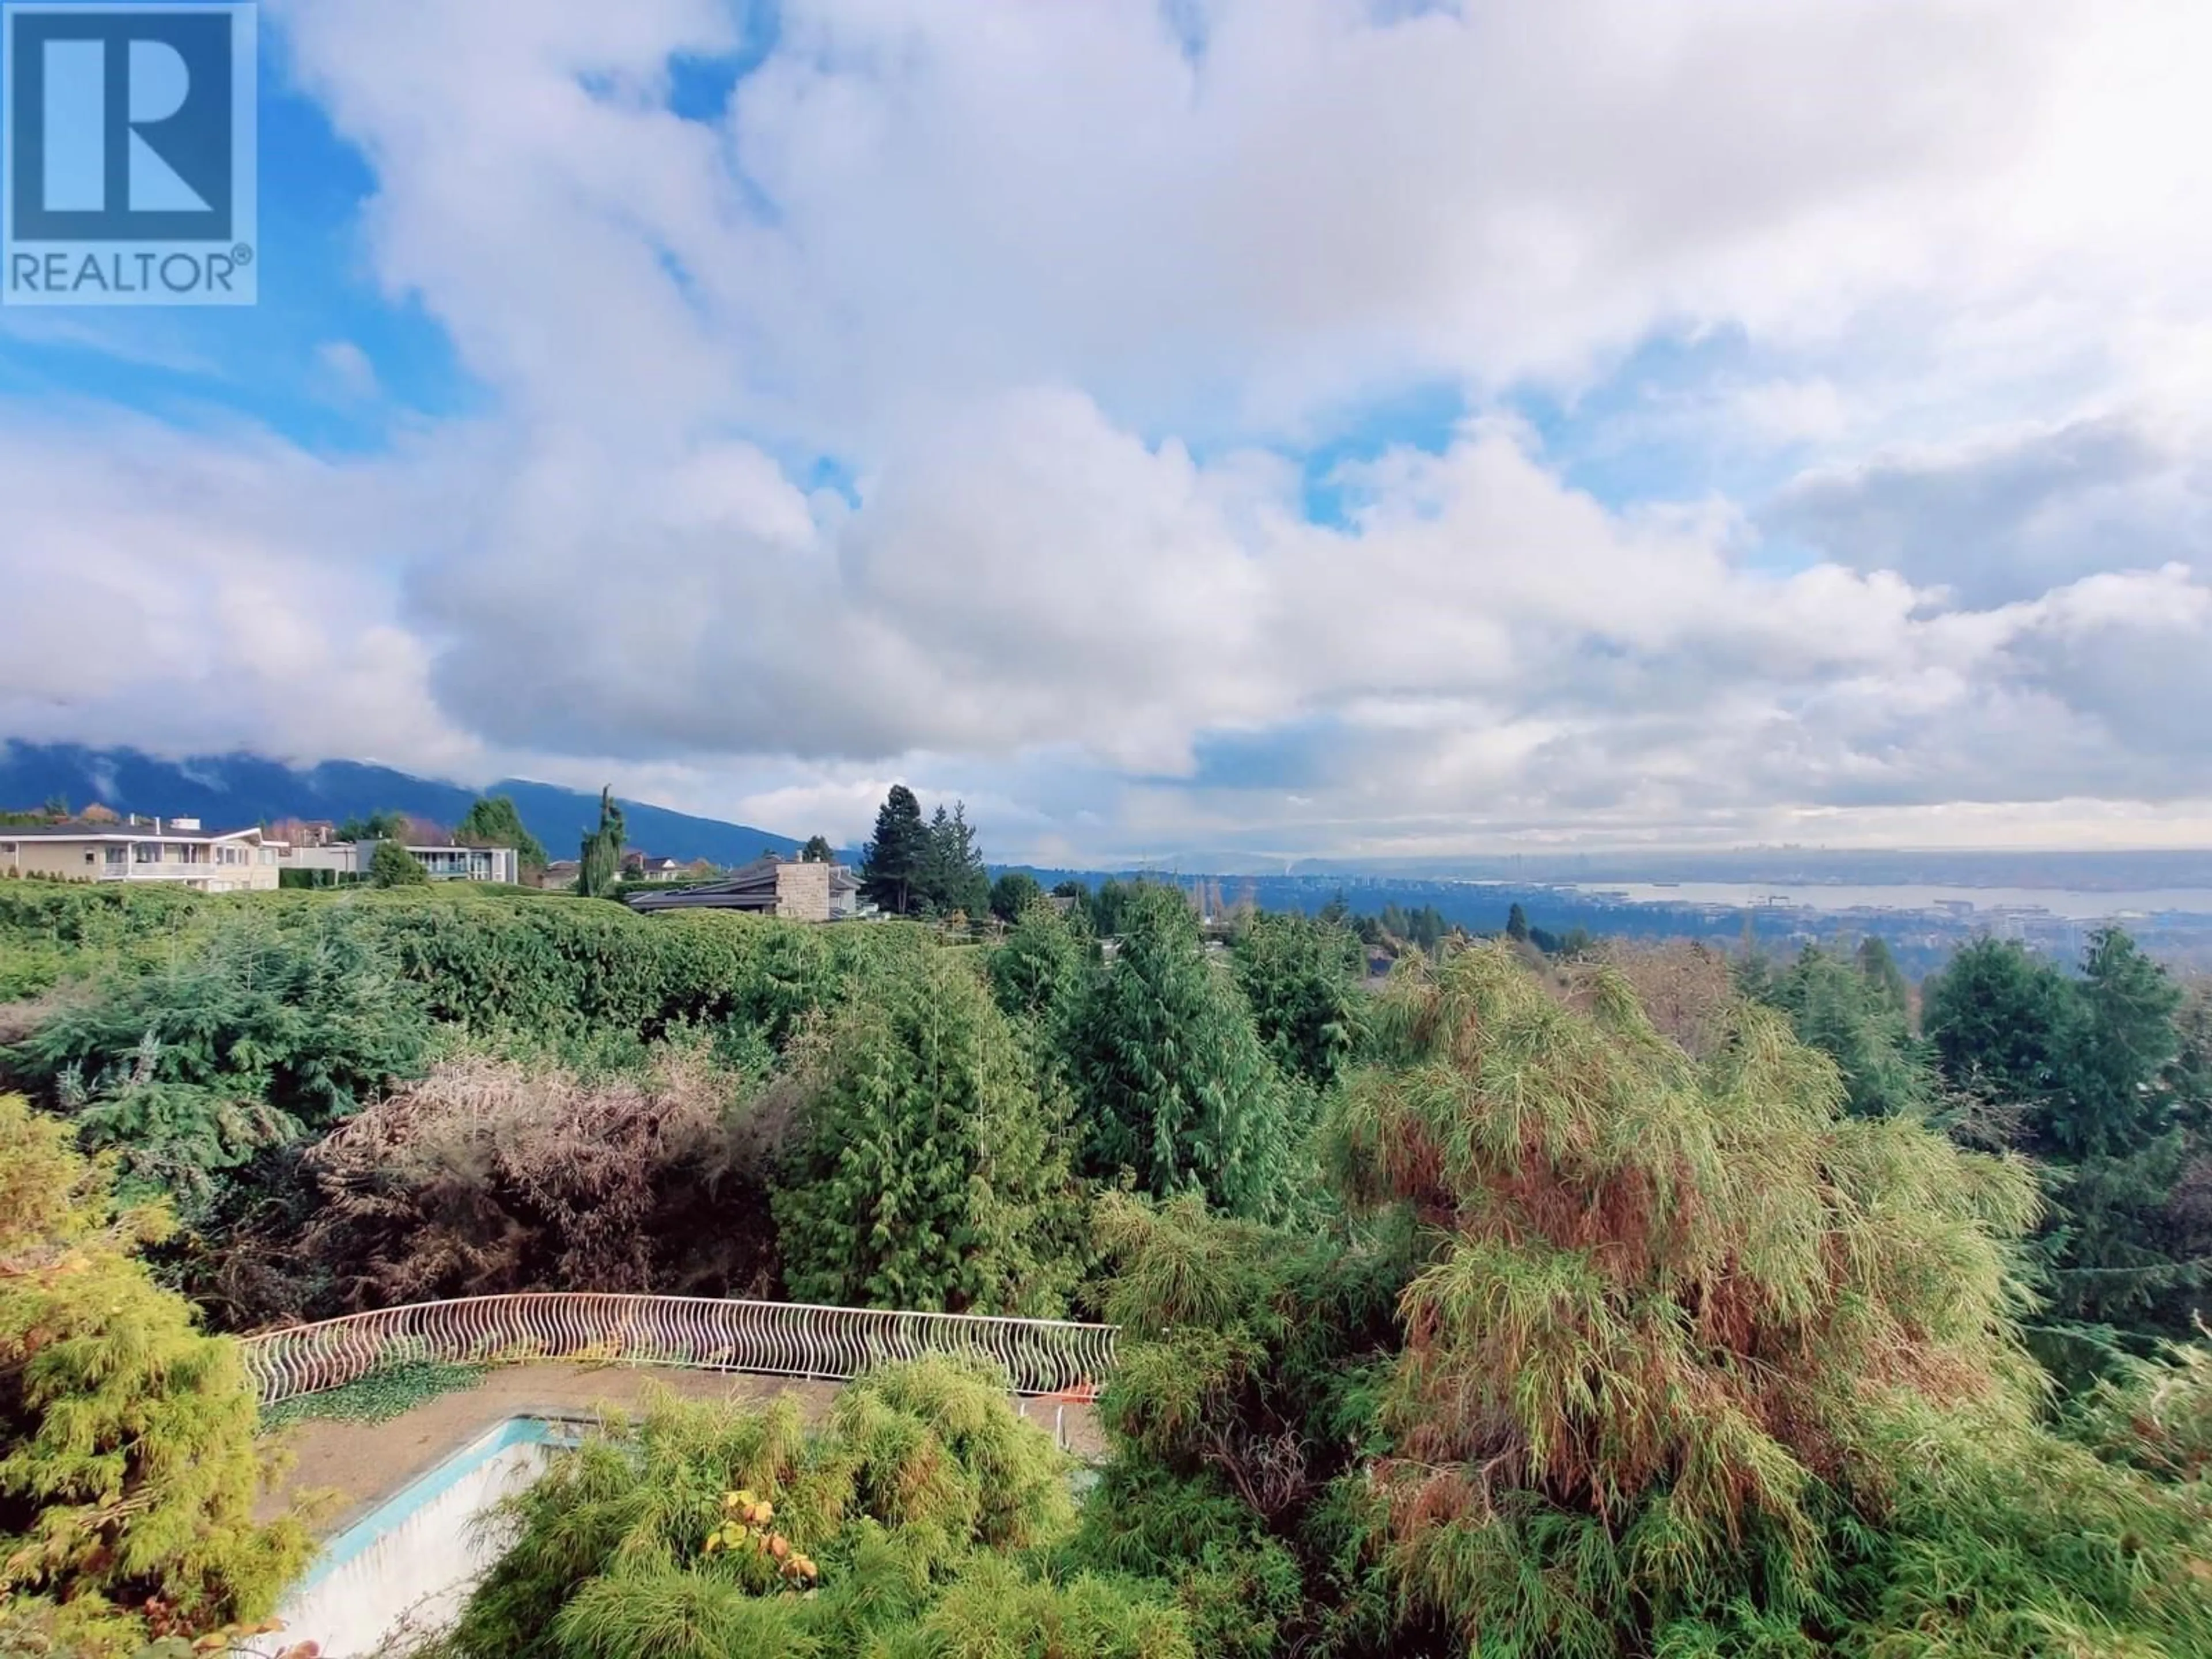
(895, 853)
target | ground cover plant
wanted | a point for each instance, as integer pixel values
(391, 1390)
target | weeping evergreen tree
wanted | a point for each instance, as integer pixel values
(931, 1173)
(128, 1468)
(600, 862)
(1173, 1083)
(271, 1031)
(1702, 1363)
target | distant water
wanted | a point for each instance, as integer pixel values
(2074, 906)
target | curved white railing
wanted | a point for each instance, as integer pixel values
(778, 1338)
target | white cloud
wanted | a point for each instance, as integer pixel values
(1055, 287)
(344, 374)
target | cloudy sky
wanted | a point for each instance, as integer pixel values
(1357, 426)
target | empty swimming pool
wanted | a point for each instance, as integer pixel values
(416, 1554)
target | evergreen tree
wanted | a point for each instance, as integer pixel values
(817, 850)
(930, 1173)
(1108, 903)
(1880, 967)
(599, 863)
(127, 1464)
(1174, 1083)
(1302, 979)
(2111, 1100)
(1616, 1353)
(492, 821)
(1516, 924)
(1042, 970)
(2000, 1020)
(894, 856)
(2087, 1067)
(1013, 892)
(394, 866)
(1837, 1007)
(386, 826)
(273, 1032)
(952, 877)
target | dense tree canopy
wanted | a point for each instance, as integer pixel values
(268, 1033)
(1619, 1353)
(929, 1173)
(676, 1540)
(1853, 1015)
(1041, 971)
(1175, 1086)
(1013, 892)
(382, 825)
(1999, 1017)
(1302, 979)
(2085, 1073)
(952, 879)
(1618, 1308)
(492, 821)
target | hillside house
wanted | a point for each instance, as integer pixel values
(177, 851)
(768, 886)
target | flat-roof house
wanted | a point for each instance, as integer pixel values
(768, 886)
(442, 863)
(177, 851)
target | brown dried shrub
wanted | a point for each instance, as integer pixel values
(487, 1176)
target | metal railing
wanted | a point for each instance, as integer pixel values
(776, 1339)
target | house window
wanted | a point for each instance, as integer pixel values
(145, 852)
(90, 857)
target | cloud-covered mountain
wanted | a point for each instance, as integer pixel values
(230, 790)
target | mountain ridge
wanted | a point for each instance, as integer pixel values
(228, 791)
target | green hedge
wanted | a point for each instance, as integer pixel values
(486, 959)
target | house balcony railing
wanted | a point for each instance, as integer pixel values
(778, 1338)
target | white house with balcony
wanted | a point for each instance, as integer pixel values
(352, 857)
(175, 850)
